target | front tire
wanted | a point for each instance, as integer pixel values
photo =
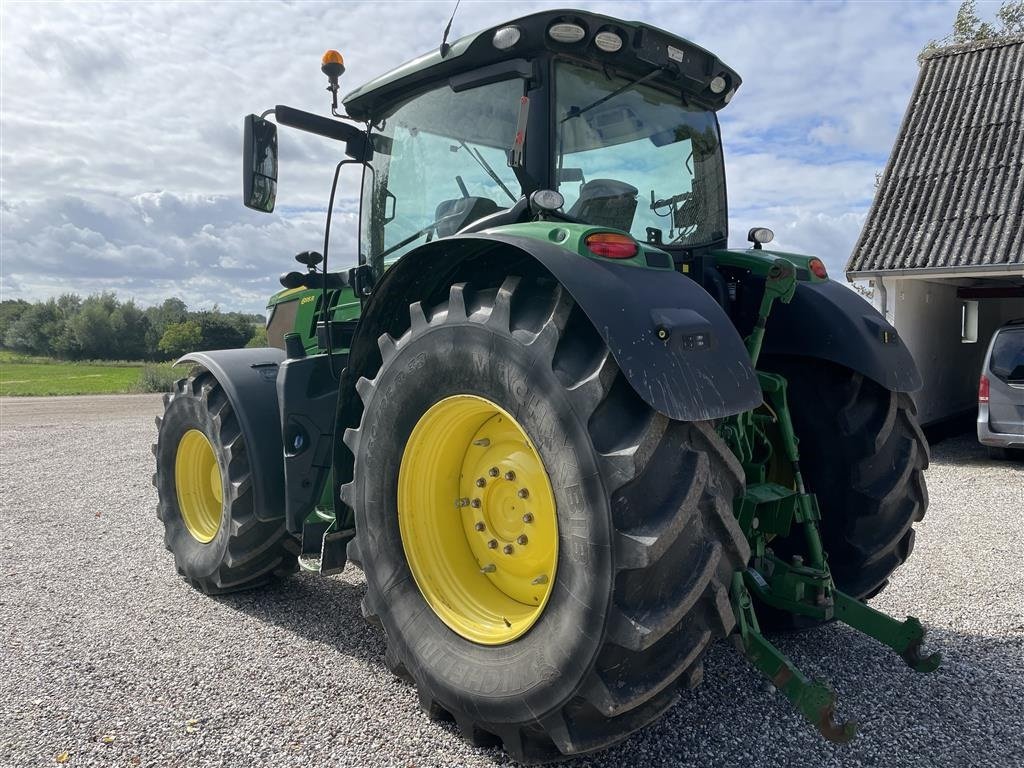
(206, 503)
(646, 539)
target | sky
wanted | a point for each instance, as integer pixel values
(121, 128)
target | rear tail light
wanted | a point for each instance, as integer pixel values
(611, 245)
(817, 266)
(983, 390)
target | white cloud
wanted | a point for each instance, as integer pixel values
(121, 128)
(208, 249)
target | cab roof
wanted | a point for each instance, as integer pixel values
(681, 64)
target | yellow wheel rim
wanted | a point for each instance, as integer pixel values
(198, 482)
(477, 519)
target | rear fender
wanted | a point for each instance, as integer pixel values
(829, 321)
(248, 377)
(699, 371)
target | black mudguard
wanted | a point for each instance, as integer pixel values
(249, 378)
(700, 370)
(829, 321)
(307, 394)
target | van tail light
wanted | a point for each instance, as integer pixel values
(611, 245)
(983, 389)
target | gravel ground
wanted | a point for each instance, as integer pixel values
(107, 656)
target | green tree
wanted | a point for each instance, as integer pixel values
(10, 311)
(69, 304)
(130, 327)
(1011, 16)
(968, 27)
(93, 328)
(172, 310)
(65, 344)
(259, 338)
(181, 338)
(36, 328)
(221, 331)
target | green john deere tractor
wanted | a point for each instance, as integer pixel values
(548, 412)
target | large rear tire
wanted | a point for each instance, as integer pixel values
(646, 539)
(206, 499)
(862, 453)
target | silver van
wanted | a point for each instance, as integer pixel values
(1001, 392)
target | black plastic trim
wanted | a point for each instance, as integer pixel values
(308, 396)
(356, 144)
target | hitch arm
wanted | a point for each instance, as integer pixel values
(904, 637)
(814, 699)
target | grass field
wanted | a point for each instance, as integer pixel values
(23, 376)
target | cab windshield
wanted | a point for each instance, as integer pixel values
(635, 158)
(440, 161)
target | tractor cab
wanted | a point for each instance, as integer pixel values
(616, 117)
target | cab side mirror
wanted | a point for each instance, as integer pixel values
(259, 164)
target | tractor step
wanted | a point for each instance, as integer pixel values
(333, 554)
(323, 549)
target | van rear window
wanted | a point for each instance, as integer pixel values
(1007, 352)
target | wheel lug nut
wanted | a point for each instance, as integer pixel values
(508, 549)
(493, 472)
(523, 493)
(510, 475)
(528, 517)
(475, 503)
(480, 482)
(492, 544)
(463, 502)
(522, 539)
(479, 525)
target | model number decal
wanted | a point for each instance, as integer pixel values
(307, 299)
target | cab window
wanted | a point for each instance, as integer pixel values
(440, 163)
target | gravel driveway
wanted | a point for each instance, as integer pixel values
(107, 656)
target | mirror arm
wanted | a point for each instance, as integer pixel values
(356, 145)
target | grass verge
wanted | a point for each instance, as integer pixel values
(22, 376)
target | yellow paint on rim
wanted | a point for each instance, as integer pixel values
(477, 519)
(198, 483)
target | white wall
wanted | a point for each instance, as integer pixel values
(927, 314)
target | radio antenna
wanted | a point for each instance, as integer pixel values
(444, 38)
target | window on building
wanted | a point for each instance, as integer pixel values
(969, 322)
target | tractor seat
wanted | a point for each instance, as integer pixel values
(607, 203)
(453, 215)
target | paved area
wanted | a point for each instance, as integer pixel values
(108, 659)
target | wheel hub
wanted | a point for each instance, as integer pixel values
(197, 480)
(477, 517)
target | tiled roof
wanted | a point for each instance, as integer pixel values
(953, 192)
